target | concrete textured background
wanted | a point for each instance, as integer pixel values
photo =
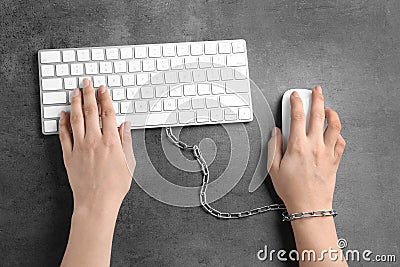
(351, 48)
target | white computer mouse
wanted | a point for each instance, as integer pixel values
(306, 97)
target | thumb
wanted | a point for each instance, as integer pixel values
(126, 142)
(274, 151)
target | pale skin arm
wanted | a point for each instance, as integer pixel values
(99, 163)
(305, 175)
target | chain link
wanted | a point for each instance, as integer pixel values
(206, 178)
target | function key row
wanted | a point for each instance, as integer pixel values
(142, 51)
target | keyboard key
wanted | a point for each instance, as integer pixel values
(157, 77)
(203, 116)
(216, 115)
(182, 50)
(99, 80)
(140, 52)
(147, 92)
(177, 63)
(154, 51)
(80, 81)
(52, 84)
(210, 48)
(112, 53)
(162, 91)
(205, 62)
(126, 52)
(234, 100)
(133, 92)
(54, 98)
(212, 75)
(162, 64)
(97, 54)
(238, 46)
(152, 119)
(149, 65)
(50, 126)
(241, 73)
(155, 105)
(62, 70)
(142, 78)
(118, 94)
(68, 56)
(219, 61)
(196, 49)
(189, 89)
(141, 106)
(119, 66)
(185, 76)
(218, 88)
(134, 66)
(168, 50)
(128, 79)
(183, 103)
(199, 76)
(126, 107)
(77, 69)
(186, 117)
(171, 77)
(83, 55)
(70, 83)
(91, 68)
(198, 102)
(203, 89)
(236, 60)
(230, 114)
(224, 48)
(175, 91)
(212, 102)
(50, 57)
(237, 86)
(106, 67)
(244, 113)
(227, 74)
(54, 111)
(169, 104)
(47, 70)
(114, 80)
(191, 62)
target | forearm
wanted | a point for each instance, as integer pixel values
(319, 235)
(90, 238)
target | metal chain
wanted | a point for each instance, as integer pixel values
(206, 178)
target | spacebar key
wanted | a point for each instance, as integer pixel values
(152, 119)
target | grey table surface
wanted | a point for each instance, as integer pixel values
(351, 48)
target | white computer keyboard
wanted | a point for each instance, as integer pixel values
(154, 85)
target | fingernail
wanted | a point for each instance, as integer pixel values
(127, 126)
(273, 132)
(102, 90)
(85, 82)
(62, 115)
(295, 94)
(75, 92)
(319, 89)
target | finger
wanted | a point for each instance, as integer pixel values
(339, 148)
(76, 117)
(108, 121)
(297, 118)
(65, 135)
(126, 141)
(274, 151)
(90, 108)
(317, 114)
(332, 132)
